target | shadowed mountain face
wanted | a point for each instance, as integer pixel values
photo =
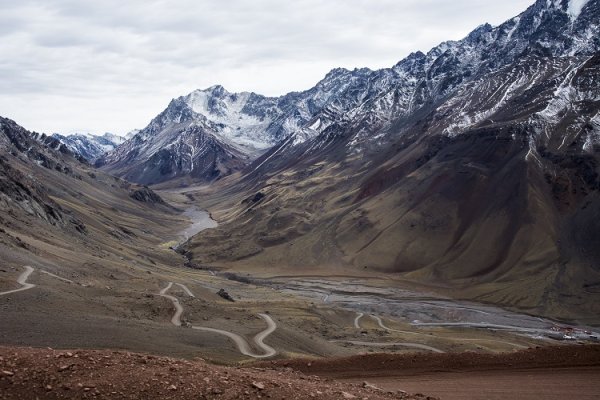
(58, 209)
(19, 190)
(473, 168)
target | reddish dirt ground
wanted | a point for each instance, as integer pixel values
(27, 373)
(559, 372)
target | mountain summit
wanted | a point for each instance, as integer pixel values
(208, 134)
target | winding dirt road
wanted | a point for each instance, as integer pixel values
(22, 280)
(176, 319)
(242, 344)
(386, 344)
(357, 320)
(391, 344)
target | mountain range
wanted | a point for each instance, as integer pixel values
(472, 168)
(90, 147)
(211, 133)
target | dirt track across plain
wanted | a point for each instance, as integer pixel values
(391, 344)
(242, 344)
(22, 280)
(380, 323)
(387, 344)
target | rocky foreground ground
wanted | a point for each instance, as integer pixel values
(28, 373)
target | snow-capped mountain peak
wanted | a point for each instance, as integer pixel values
(89, 146)
(232, 120)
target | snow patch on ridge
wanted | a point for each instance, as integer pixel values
(226, 111)
(575, 8)
(593, 137)
(562, 99)
(465, 120)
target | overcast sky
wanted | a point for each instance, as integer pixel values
(112, 65)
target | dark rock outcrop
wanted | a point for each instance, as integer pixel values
(146, 195)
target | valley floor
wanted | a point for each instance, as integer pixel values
(142, 298)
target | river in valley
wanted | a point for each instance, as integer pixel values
(422, 310)
(200, 220)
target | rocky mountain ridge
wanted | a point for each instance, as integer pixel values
(89, 147)
(211, 133)
(41, 180)
(521, 52)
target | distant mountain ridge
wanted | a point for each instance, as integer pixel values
(90, 147)
(211, 133)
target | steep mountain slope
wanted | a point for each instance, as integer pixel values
(204, 135)
(92, 246)
(212, 133)
(473, 168)
(90, 147)
(57, 210)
